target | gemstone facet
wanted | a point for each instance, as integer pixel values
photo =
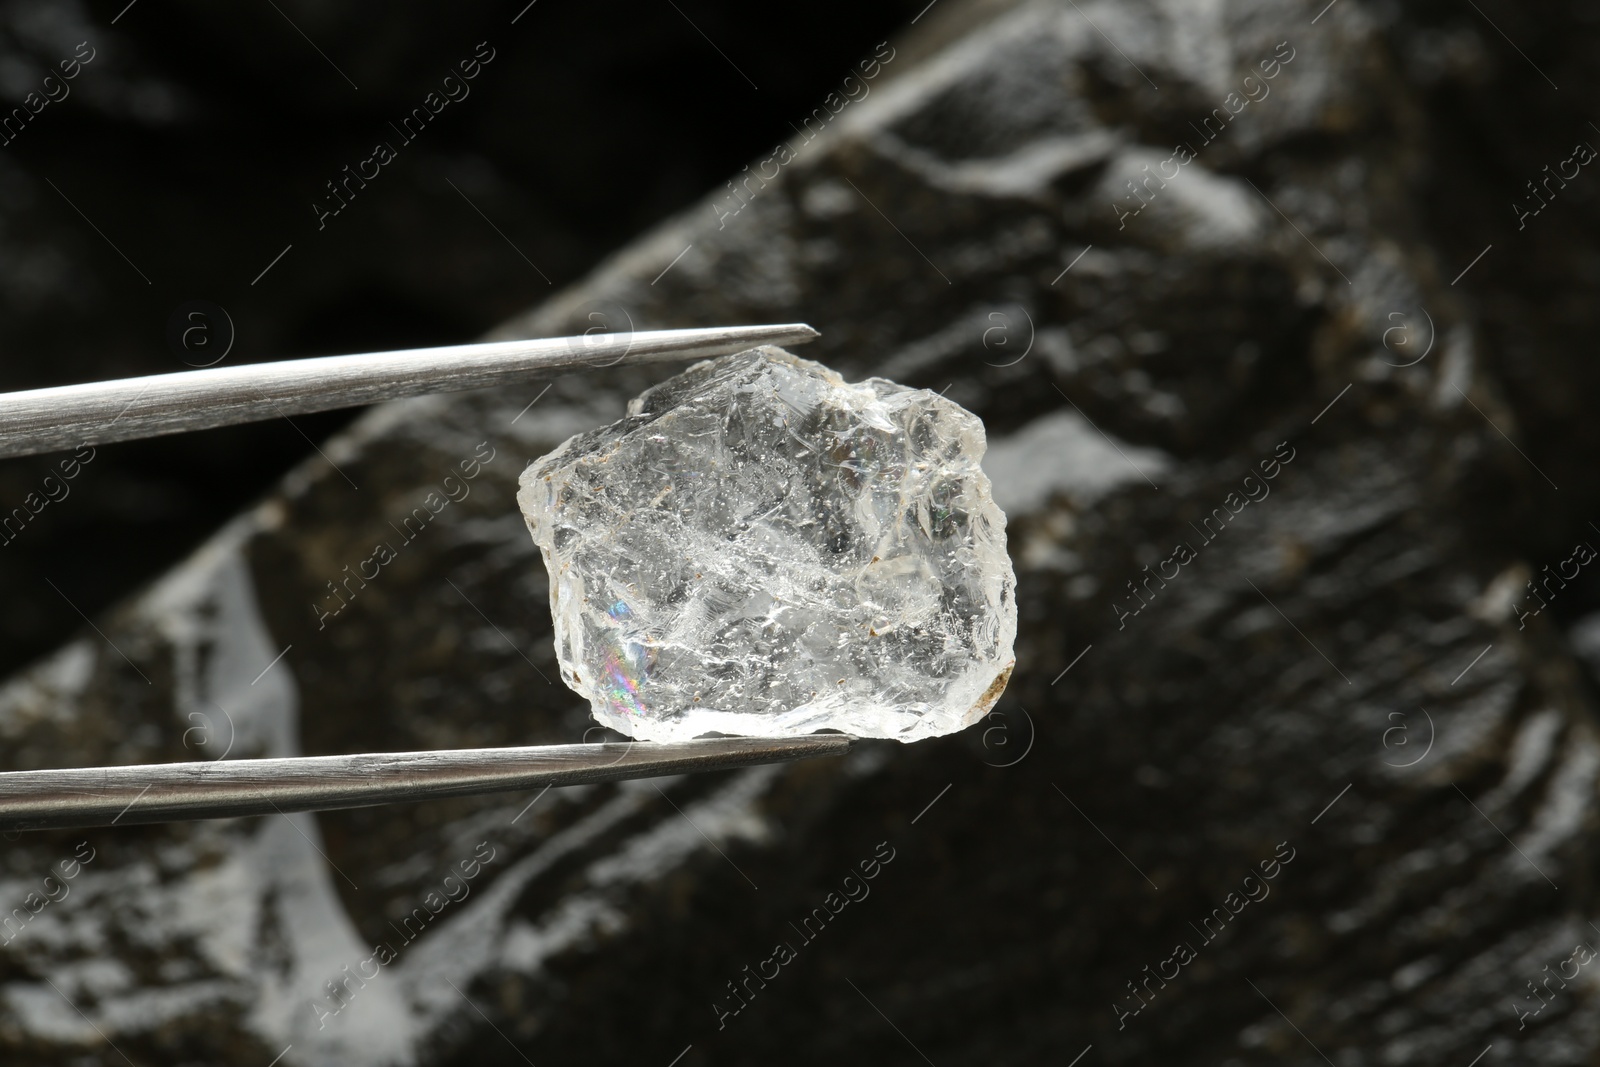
(760, 548)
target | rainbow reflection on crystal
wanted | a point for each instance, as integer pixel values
(623, 669)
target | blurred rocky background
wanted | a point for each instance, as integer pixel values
(190, 150)
(1287, 285)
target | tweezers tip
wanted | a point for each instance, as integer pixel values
(784, 333)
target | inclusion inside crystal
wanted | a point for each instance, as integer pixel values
(761, 548)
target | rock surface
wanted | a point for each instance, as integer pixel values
(759, 548)
(1273, 702)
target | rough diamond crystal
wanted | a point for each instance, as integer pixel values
(762, 548)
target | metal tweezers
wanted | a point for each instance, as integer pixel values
(47, 420)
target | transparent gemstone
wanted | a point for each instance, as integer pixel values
(761, 548)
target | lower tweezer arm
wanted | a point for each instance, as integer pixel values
(170, 792)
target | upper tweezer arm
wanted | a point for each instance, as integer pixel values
(63, 417)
